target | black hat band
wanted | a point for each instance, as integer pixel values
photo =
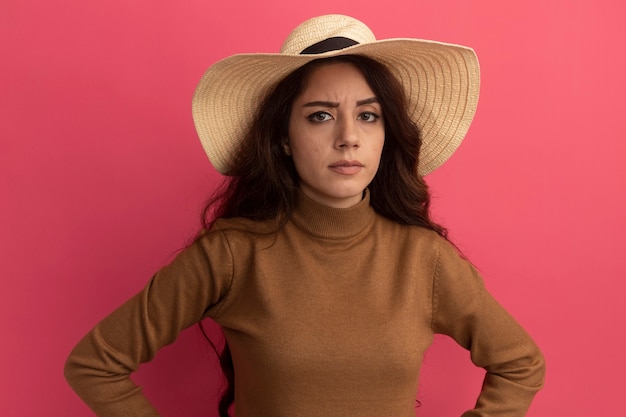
(330, 44)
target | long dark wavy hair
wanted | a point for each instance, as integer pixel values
(262, 182)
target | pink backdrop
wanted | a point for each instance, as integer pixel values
(102, 178)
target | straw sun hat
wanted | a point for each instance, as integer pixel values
(441, 82)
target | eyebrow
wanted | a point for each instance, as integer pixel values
(334, 104)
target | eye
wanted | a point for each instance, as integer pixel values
(319, 116)
(368, 116)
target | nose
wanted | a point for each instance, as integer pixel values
(347, 135)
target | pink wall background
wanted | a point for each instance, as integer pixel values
(102, 179)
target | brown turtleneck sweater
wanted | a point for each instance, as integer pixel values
(328, 317)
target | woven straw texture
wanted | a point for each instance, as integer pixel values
(441, 82)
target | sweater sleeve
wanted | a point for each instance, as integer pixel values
(465, 311)
(179, 295)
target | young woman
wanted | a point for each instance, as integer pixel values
(319, 258)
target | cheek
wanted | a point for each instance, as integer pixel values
(298, 139)
(377, 150)
(305, 158)
(305, 148)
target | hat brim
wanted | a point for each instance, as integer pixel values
(441, 82)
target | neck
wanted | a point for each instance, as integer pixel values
(329, 222)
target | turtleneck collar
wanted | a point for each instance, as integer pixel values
(327, 222)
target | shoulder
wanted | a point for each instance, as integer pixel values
(244, 225)
(237, 232)
(416, 236)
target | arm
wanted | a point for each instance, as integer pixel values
(464, 310)
(179, 295)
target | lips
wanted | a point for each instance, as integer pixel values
(345, 167)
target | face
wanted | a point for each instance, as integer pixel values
(336, 135)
